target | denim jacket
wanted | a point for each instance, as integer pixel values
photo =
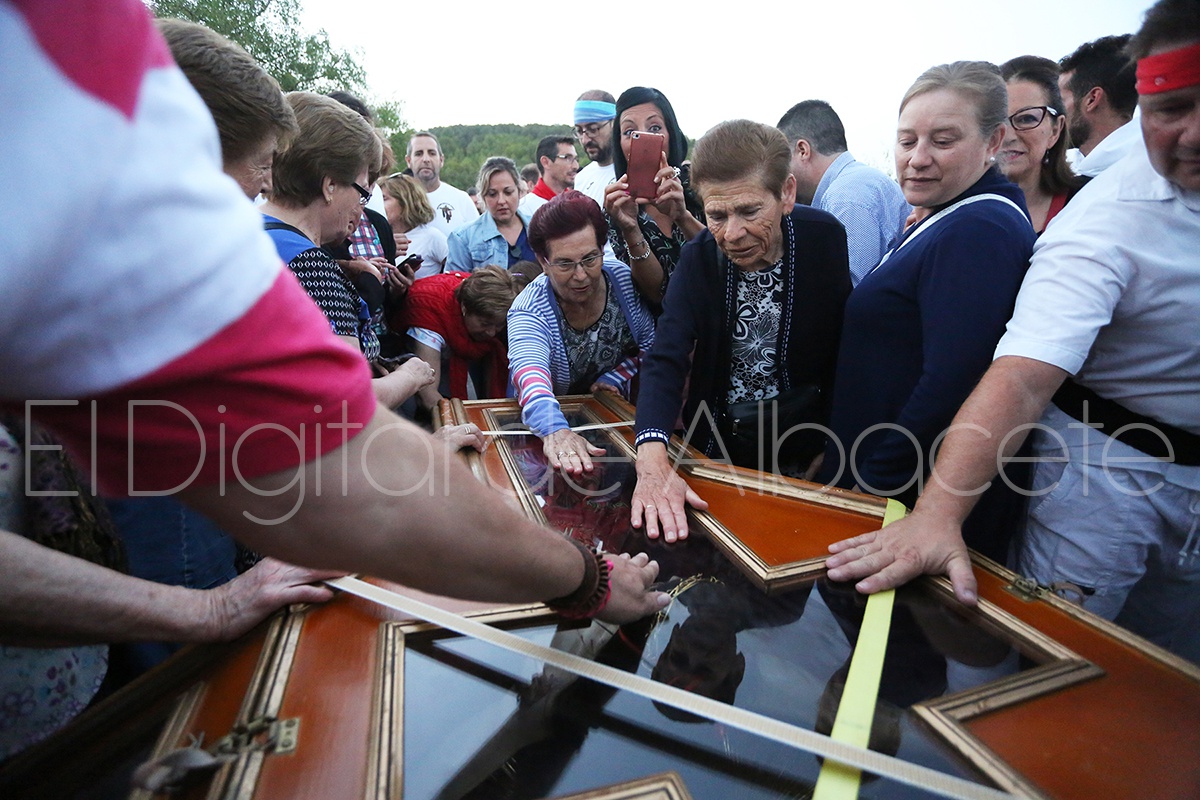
(478, 244)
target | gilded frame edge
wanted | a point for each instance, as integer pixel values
(667, 785)
(264, 697)
(385, 745)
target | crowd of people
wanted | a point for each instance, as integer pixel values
(778, 303)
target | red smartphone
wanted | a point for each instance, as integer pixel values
(645, 154)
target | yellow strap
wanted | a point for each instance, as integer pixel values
(856, 712)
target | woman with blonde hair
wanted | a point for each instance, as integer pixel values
(920, 328)
(501, 235)
(411, 217)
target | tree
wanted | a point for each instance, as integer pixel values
(270, 32)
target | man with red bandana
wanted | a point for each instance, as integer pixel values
(161, 337)
(1102, 349)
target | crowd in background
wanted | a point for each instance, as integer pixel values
(790, 308)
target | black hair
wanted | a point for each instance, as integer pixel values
(1104, 63)
(816, 122)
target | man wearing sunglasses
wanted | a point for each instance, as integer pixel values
(594, 113)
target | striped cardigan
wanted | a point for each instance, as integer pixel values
(537, 356)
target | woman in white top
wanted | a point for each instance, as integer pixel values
(410, 214)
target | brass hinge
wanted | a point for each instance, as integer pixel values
(262, 734)
(268, 734)
(1027, 589)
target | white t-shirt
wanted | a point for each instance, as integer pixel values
(428, 242)
(452, 208)
(593, 179)
(531, 203)
(1113, 293)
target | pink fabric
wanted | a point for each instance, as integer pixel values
(276, 380)
(105, 47)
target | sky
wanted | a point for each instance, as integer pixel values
(452, 62)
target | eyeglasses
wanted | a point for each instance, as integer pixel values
(567, 267)
(363, 195)
(591, 130)
(566, 157)
(1029, 118)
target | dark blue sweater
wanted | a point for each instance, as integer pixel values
(920, 331)
(694, 334)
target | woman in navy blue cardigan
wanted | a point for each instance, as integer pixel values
(920, 328)
(753, 312)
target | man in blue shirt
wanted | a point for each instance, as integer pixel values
(867, 202)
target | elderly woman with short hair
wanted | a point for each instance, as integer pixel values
(318, 196)
(756, 305)
(253, 119)
(581, 326)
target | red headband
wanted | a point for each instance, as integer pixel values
(1168, 71)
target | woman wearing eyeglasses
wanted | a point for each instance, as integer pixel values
(580, 327)
(648, 234)
(317, 197)
(498, 237)
(1034, 153)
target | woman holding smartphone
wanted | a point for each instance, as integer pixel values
(647, 232)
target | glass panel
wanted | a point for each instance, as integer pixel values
(482, 723)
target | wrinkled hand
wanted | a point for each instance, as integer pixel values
(621, 208)
(570, 452)
(248, 599)
(916, 215)
(600, 386)
(919, 544)
(660, 495)
(460, 436)
(629, 583)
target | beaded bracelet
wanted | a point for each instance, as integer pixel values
(593, 591)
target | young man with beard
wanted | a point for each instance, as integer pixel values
(1099, 102)
(594, 113)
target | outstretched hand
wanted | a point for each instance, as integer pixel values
(629, 583)
(248, 599)
(660, 495)
(919, 544)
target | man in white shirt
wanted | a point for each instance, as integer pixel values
(1104, 327)
(595, 111)
(452, 208)
(557, 162)
(1100, 103)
